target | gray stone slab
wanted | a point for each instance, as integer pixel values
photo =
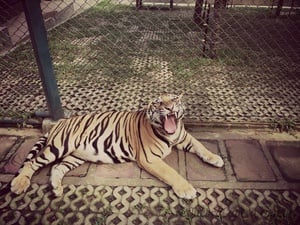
(287, 157)
(121, 170)
(198, 170)
(80, 171)
(6, 142)
(171, 160)
(248, 161)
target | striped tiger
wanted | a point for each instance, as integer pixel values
(145, 136)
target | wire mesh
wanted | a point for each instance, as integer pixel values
(235, 61)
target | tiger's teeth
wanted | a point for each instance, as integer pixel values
(170, 124)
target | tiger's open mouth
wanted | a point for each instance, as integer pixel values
(169, 123)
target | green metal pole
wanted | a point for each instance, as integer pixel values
(39, 42)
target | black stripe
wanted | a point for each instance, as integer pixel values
(75, 157)
(183, 140)
(130, 149)
(77, 141)
(89, 121)
(140, 137)
(92, 135)
(71, 123)
(161, 137)
(100, 115)
(94, 132)
(78, 138)
(69, 165)
(117, 130)
(123, 148)
(188, 147)
(126, 159)
(77, 124)
(117, 114)
(39, 163)
(112, 155)
(104, 124)
(66, 144)
(115, 158)
(108, 141)
(61, 132)
(54, 133)
(95, 146)
(54, 150)
(36, 148)
(86, 125)
(56, 129)
(159, 156)
(159, 148)
(126, 117)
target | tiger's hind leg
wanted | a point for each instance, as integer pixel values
(59, 170)
(21, 182)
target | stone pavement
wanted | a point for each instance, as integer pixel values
(259, 184)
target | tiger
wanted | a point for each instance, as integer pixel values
(145, 136)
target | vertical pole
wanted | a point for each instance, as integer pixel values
(204, 11)
(39, 42)
(279, 8)
(138, 4)
(198, 11)
(291, 8)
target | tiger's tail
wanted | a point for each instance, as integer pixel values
(36, 149)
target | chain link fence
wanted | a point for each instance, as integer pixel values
(235, 60)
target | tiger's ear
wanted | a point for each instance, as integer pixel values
(149, 105)
(180, 96)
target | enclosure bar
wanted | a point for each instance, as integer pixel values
(39, 43)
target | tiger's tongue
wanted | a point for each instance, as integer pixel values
(170, 124)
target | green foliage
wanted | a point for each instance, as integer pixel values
(283, 125)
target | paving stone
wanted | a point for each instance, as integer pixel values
(42, 176)
(248, 161)
(87, 204)
(19, 156)
(80, 171)
(171, 159)
(121, 170)
(199, 170)
(287, 157)
(6, 143)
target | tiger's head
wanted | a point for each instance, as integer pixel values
(166, 112)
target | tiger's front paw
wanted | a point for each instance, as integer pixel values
(186, 191)
(58, 191)
(20, 184)
(218, 161)
(214, 160)
(57, 187)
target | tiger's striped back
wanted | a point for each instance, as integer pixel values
(108, 137)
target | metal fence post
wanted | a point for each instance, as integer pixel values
(39, 42)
